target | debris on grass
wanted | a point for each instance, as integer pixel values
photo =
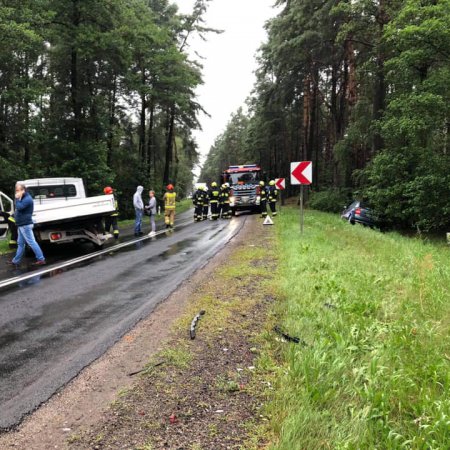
(194, 323)
(289, 338)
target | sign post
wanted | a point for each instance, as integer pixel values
(280, 183)
(301, 174)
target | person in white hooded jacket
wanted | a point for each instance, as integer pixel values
(139, 209)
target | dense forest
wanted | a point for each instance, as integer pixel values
(361, 89)
(102, 89)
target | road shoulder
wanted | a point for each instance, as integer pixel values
(206, 385)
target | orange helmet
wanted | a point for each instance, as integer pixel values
(108, 190)
(170, 187)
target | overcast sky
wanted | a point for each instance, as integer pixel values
(229, 62)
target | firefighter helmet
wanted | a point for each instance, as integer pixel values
(170, 187)
(108, 190)
(213, 184)
(272, 183)
(261, 183)
(227, 184)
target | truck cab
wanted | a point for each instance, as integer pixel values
(244, 185)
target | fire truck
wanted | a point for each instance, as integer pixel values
(244, 184)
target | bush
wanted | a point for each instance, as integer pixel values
(330, 200)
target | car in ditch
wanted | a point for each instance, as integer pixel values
(360, 212)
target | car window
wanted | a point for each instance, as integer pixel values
(61, 191)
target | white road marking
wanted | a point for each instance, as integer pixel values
(72, 262)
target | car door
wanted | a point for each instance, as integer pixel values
(6, 206)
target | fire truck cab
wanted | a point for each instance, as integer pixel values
(244, 184)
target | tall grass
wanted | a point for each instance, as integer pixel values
(374, 311)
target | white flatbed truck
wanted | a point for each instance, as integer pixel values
(62, 212)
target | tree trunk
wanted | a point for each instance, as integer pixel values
(150, 143)
(379, 95)
(74, 79)
(142, 147)
(112, 120)
(169, 145)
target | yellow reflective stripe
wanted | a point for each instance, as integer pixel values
(11, 219)
(170, 199)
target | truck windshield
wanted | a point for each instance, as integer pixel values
(60, 191)
(243, 178)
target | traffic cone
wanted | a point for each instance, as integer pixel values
(268, 221)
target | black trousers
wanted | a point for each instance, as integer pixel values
(273, 208)
(198, 212)
(205, 211)
(111, 222)
(225, 210)
(263, 208)
(214, 210)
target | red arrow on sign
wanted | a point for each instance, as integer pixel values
(301, 172)
(280, 183)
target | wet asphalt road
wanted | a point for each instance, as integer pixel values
(52, 327)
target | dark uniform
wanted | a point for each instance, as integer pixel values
(214, 198)
(197, 199)
(225, 201)
(205, 205)
(264, 197)
(273, 193)
(112, 220)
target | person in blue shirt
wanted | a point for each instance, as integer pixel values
(24, 222)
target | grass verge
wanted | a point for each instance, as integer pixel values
(373, 310)
(204, 393)
(4, 247)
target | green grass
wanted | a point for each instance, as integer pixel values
(4, 247)
(376, 371)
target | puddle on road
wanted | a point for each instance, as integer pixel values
(176, 248)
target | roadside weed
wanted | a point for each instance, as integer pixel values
(374, 311)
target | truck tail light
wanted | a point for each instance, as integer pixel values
(55, 236)
(258, 190)
(358, 211)
(231, 193)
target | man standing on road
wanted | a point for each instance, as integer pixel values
(139, 209)
(225, 201)
(273, 193)
(111, 221)
(24, 223)
(214, 197)
(198, 204)
(205, 203)
(169, 198)
(151, 208)
(263, 195)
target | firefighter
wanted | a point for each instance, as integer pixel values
(225, 201)
(214, 198)
(169, 198)
(263, 191)
(205, 204)
(273, 193)
(111, 221)
(198, 203)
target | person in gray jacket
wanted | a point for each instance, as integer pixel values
(139, 209)
(151, 208)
